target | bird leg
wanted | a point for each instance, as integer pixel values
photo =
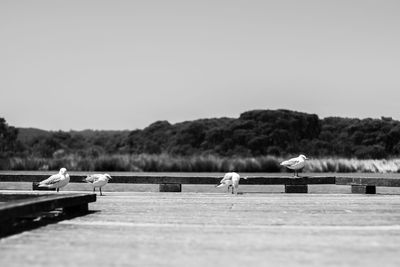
(296, 174)
(100, 191)
(58, 189)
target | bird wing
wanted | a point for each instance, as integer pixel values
(93, 178)
(52, 180)
(291, 162)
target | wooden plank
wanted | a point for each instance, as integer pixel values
(197, 179)
(363, 189)
(259, 180)
(44, 202)
(296, 188)
(5, 197)
(18, 177)
(170, 188)
(386, 182)
(189, 179)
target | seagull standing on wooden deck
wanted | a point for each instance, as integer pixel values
(295, 164)
(98, 180)
(231, 179)
(57, 180)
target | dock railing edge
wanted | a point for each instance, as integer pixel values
(171, 183)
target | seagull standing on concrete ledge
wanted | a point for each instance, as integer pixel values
(98, 180)
(57, 180)
(295, 164)
(231, 179)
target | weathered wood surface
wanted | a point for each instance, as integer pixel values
(198, 229)
(175, 179)
(387, 182)
(363, 189)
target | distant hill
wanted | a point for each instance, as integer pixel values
(28, 134)
(88, 133)
(254, 133)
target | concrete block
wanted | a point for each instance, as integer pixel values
(170, 188)
(296, 188)
(363, 189)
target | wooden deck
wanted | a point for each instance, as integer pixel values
(215, 229)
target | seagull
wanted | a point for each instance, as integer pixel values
(231, 179)
(57, 180)
(98, 180)
(295, 164)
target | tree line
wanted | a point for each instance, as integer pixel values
(254, 133)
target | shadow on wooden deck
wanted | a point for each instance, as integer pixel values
(24, 211)
(36, 221)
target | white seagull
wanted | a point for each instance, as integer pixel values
(98, 180)
(231, 179)
(57, 180)
(295, 164)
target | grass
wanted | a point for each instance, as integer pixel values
(206, 163)
(353, 165)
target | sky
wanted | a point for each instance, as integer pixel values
(115, 65)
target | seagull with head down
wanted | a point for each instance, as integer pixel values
(231, 179)
(98, 180)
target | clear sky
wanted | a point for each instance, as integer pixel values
(113, 64)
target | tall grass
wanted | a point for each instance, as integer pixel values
(353, 165)
(203, 163)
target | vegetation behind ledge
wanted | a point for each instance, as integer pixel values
(256, 141)
(167, 163)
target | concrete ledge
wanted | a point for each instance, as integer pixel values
(296, 188)
(363, 189)
(170, 188)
